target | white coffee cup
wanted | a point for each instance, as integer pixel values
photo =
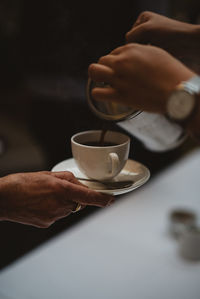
(100, 162)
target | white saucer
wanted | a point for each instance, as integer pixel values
(133, 170)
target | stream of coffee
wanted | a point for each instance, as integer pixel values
(102, 136)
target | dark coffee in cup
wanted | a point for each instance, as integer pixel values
(98, 144)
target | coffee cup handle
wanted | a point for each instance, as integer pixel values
(114, 163)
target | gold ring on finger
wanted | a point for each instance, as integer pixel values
(78, 208)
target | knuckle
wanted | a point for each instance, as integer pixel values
(129, 46)
(70, 175)
(54, 185)
(145, 14)
(91, 69)
(102, 59)
(123, 59)
(58, 189)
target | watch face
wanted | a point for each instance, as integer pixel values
(180, 105)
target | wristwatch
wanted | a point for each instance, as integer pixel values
(182, 102)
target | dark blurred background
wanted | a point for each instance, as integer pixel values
(45, 50)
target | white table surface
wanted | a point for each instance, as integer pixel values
(121, 252)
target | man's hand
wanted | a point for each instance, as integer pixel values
(140, 76)
(179, 38)
(41, 198)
